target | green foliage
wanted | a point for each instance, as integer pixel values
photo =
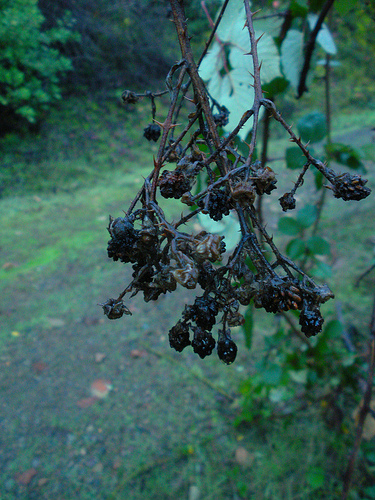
(30, 66)
(312, 127)
(345, 155)
(292, 371)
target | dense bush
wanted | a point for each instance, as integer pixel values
(122, 43)
(30, 65)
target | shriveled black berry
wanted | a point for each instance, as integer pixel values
(129, 97)
(203, 342)
(152, 132)
(203, 312)
(174, 184)
(222, 118)
(350, 187)
(227, 350)
(114, 309)
(124, 237)
(219, 204)
(310, 319)
(206, 274)
(287, 202)
(269, 296)
(179, 336)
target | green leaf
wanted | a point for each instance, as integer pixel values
(295, 248)
(307, 215)
(369, 491)
(294, 158)
(324, 37)
(344, 6)
(289, 226)
(318, 245)
(312, 127)
(248, 327)
(275, 87)
(298, 376)
(232, 87)
(333, 329)
(292, 56)
(299, 8)
(319, 179)
(315, 478)
(321, 270)
(345, 155)
(301, 3)
(272, 375)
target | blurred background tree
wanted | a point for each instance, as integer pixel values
(30, 65)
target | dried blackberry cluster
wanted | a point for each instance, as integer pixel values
(350, 187)
(212, 177)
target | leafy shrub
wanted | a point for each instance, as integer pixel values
(30, 66)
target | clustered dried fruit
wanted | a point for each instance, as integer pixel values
(174, 184)
(350, 187)
(217, 203)
(163, 257)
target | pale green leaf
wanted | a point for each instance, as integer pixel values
(211, 63)
(232, 21)
(292, 56)
(324, 38)
(298, 376)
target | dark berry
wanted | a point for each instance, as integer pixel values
(152, 132)
(350, 187)
(222, 118)
(203, 312)
(218, 205)
(124, 237)
(174, 184)
(114, 309)
(179, 336)
(129, 97)
(287, 202)
(310, 319)
(203, 342)
(227, 350)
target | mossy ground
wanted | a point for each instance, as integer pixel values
(166, 430)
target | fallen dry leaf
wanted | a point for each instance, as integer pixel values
(55, 322)
(25, 477)
(100, 388)
(9, 265)
(138, 353)
(86, 402)
(99, 356)
(39, 366)
(243, 457)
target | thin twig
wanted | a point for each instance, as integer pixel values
(309, 50)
